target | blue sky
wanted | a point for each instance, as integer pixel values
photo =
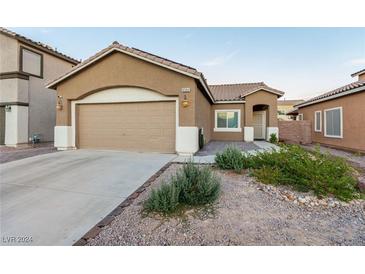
(302, 62)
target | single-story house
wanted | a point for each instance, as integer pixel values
(128, 99)
(27, 108)
(285, 107)
(338, 116)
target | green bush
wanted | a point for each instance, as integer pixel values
(198, 185)
(193, 185)
(232, 158)
(164, 200)
(292, 165)
(273, 138)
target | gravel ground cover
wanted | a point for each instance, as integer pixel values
(247, 213)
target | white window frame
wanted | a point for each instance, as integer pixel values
(341, 123)
(300, 117)
(216, 129)
(320, 121)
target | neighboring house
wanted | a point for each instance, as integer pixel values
(26, 106)
(285, 107)
(338, 116)
(128, 99)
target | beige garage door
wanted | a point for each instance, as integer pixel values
(141, 127)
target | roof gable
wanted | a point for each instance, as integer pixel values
(234, 92)
(143, 55)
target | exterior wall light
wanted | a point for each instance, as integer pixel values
(8, 108)
(185, 102)
(59, 105)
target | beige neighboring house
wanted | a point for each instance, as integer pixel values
(127, 99)
(338, 116)
(27, 107)
(285, 107)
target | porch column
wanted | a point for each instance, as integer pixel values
(248, 126)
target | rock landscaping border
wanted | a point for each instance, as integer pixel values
(94, 231)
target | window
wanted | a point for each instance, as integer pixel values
(31, 62)
(228, 120)
(333, 122)
(318, 121)
(300, 117)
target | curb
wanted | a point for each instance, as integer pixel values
(94, 231)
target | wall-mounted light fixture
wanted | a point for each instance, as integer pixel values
(8, 108)
(59, 105)
(185, 102)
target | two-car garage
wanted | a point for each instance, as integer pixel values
(137, 126)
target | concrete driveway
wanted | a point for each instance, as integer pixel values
(54, 199)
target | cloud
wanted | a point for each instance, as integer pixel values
(357, 61)
(45, 31)
(219, 60)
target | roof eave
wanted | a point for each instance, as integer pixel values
(348, 92)
(53, 84)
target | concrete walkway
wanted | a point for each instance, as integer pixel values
(249, 148)
(54, 199)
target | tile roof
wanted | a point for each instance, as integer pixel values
(329, 95)
(358, 73)
(39, 45)
(237, 92)
(138, 52)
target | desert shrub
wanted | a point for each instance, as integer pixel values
(192, 185)
(163, 200)
(273, 138)
(232, 158)
(291, 165)
(198, 185)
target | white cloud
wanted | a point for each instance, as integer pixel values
(219, 60)
(357, 61)
(45, 31)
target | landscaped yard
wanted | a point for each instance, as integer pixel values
(247, 212)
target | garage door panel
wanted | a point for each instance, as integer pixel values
(146, 126)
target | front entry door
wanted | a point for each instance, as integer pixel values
(259, 124)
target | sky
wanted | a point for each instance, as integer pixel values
(302, 62)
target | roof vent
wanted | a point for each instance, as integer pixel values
(115, 43)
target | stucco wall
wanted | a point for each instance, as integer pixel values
(353, 110)
(9, 60)
(203, 114)
(228, 136)
(42, 101)
(119, 69)
(262, 98)
(14, 90)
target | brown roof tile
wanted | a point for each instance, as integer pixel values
(336, 91)
(234, 92)
(38, 45)
(144, 54)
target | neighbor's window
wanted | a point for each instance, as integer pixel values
(227, 120)
(300, 117)
(318, 121)
(333, 122)
(31, 62)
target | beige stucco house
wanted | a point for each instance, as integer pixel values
(125, 98)
(285, 107)
(338, 116)
(27, 107)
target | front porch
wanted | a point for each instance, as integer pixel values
(207, 154)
